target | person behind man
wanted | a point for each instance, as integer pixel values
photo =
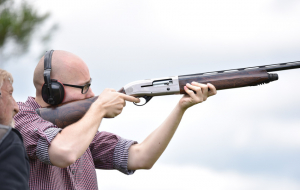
(67, 158)
(14, 164)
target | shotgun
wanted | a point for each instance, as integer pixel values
(65, 114)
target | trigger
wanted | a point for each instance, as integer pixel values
(146, 98)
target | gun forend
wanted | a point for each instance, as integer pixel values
(232, 79)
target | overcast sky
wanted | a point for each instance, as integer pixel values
(244, 138)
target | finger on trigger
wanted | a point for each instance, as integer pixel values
(130, 98)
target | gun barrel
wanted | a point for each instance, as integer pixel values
(281, 66)
(268, 68)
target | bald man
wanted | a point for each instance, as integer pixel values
(67, 158)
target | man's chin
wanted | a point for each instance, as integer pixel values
(12, 123)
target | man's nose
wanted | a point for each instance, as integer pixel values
(16, 107)
(90, 93)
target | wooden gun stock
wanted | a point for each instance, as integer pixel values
(230, 79)
(63, 115)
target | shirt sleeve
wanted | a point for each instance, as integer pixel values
(37, 133)
(120, 158)
(110, 151)
(43, 145)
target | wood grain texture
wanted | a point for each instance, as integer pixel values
(66, 114)
(227, 80)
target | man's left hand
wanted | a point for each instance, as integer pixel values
(196, 93)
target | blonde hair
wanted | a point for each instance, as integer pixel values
(4, 75)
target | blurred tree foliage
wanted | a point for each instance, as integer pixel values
(18, 22)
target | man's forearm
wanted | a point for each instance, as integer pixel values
(144, 155)
(73, 141)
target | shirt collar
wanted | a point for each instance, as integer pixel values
(32, 103)
(9, 128)
(4, 126)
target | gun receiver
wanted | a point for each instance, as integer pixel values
(66, 114)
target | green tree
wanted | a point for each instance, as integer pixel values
(19, 22)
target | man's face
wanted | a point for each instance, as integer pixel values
(8, 105)
(72, 93)
(67, 68)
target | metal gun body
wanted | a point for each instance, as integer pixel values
(153, 87)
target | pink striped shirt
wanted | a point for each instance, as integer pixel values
(107, 151)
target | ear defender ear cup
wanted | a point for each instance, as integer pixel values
(53, 92)
(58, 92)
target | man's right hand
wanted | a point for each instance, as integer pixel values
(71, 143)
(111, 103)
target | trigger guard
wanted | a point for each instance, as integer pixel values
(147, 98)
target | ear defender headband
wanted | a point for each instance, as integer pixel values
(53, 92)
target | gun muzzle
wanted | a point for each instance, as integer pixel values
(273, 76)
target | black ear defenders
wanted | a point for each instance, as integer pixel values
(53, 92)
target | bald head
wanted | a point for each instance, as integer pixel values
(66, 68)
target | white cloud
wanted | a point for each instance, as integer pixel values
(164, 177)
(254, 129)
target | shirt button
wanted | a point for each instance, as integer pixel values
(35, 130)
(73, 172)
